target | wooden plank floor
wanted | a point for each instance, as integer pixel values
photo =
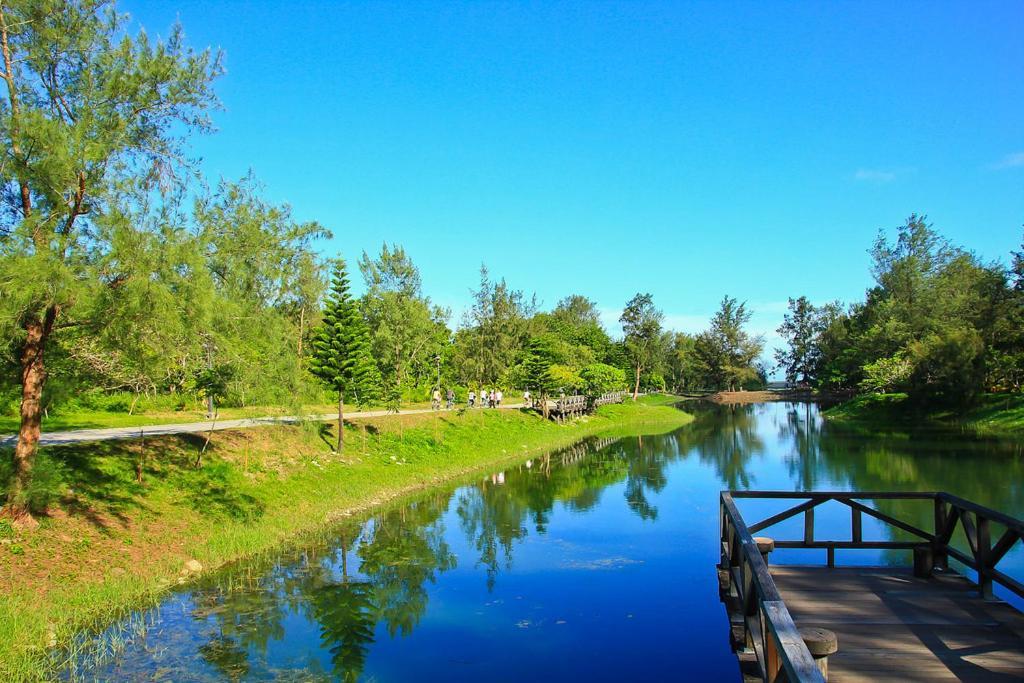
(893, 626)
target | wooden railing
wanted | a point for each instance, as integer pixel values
(611, 397)
(767, 626)
(949, 511)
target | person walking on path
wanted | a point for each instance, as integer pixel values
(526, 399)
(451, 399)
(497, 398)
(472, 398)
(435, 401)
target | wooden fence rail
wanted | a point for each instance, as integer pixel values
(568, 407)
(766, 626)
(949, 511)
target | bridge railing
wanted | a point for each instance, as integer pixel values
(985, 550)
(767, 627)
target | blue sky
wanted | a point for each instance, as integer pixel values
(690, 150)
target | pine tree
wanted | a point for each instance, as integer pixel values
(537, 367)
(341, 357)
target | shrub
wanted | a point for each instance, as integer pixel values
(600, 378)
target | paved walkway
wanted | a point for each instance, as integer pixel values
(112, 433)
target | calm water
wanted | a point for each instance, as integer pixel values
(593, 563)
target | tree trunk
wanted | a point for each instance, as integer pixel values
(341, 421)
(33, 378)
(636, 387)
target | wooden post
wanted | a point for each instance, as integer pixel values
(857, 533)
(940, 558)
(765, 546)
(821, 643)
(809, 526)
(923, 561)
(984, 550)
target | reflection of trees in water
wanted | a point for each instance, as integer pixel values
(725, 437)
(398, 552)
(802, 426)
(987, 471)
(495, 515)
(645, 473)
(377, 573)
(403, 551)
(346, 614)
(493, 519)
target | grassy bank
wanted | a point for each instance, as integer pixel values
(994, 414)
(102, 419)
(110, 543)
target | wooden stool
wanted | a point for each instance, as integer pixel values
(821, 643)
(765, 546)
(924, 561)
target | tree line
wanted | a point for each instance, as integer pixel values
(939, 324)
(127, 279)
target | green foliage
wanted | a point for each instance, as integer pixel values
(947, 366)
(644, 341)
(340, 356)
(939, 324)
(494, 333)
(406, 330)
(600, 378)
(212, 383)
(802, 329)
(566, 378)
(537, 369)
(726, 354)
(887, 374)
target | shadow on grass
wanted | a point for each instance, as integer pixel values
(98, 482)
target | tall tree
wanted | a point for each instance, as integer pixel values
(405, 328)
(728, 350)
(641, 324)
(537, 372)
(87, 111)
(340, 358)
(494, 330)
(802, 327)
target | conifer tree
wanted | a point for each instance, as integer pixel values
(537, 367)
(341, 358)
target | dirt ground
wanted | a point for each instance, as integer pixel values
(743, 397)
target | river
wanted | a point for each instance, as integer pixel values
(592, 563)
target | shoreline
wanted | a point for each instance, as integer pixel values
(400, 457)
(995, 415)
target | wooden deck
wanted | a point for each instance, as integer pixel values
(892, 626)
(796, 623)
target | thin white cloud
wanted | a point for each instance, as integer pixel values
(1009, 161)
(874, 175)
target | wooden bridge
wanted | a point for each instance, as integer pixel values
(855, 623)
(568, 407)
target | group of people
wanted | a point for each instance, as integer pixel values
(435, 399)
(488, 399)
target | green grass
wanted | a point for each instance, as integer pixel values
(994, 414)
(113, 545)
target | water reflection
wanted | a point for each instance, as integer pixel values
(604, 542)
